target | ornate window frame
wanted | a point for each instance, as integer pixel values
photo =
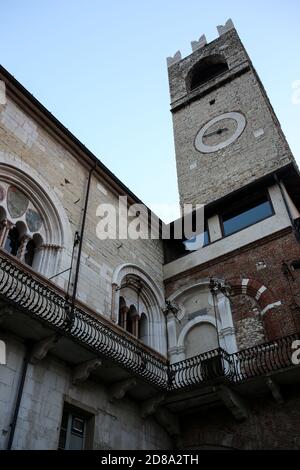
(153, 298)
(55, 251)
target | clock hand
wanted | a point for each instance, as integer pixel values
(217, 132)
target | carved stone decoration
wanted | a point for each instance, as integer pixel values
(5, 311)
(227, 27)
(150, 406)
(168, 421)
(82, 372)
(199, 44)
(118, 390)
(275, 390)
(174, 59)
(233, 402)
(41, 349)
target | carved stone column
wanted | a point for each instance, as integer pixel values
(22, 249)
(114, 313)
(5, 227)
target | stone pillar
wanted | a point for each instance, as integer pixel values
(46, 262)
(114, 313)
(5, 227)
(22, 248)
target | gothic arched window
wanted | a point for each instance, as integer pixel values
(143, 328)
(22, 226)
(134, 287)
(29, 252)
(12, 242)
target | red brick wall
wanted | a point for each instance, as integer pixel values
(269, 426)
(273, 251)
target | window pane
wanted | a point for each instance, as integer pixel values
(29, 252)
(72, 431)
(198, 241)
(12, 243)
(247, 218)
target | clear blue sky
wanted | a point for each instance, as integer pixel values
(99, 67)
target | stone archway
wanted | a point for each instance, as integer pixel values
(55, 251)
(142, 291)
(265, 300)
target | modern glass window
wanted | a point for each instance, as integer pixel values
(246, 215)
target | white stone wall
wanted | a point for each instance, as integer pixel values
(47, 386)
(58, 170)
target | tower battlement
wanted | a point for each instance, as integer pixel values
(201, 42)
(225, 130)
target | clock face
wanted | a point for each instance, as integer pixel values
(220, 132)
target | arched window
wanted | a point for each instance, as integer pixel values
(12, 242)
(29, 204)
(132, 321)
(205, 70)
(122, 312)
(143, 328)
(136, 293)
(29, 252)
(22, 225)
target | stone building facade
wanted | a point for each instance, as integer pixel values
(152, 343)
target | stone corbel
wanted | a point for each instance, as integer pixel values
(118, 390)
(5, 311)
(233, 402)
(168, 421)
(150, 406)
(82, 372)
(41, 349)
(275, 390)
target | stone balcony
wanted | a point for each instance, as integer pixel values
(37, 311)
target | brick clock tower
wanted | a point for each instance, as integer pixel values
(237, 287)
(226, 132)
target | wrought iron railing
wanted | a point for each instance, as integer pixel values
(30, 293)
(41, 299)
(234, 368)
(264, 358)
(204, 368)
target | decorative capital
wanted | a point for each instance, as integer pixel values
(170, 307)
(217, 286)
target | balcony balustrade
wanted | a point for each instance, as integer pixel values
(33, 294)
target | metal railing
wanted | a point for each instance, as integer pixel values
(264, 358)
(42, 299)
(31, 293)
(234, 368)
(204, 368)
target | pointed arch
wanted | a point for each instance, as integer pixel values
(54, 252)
(150, 295)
